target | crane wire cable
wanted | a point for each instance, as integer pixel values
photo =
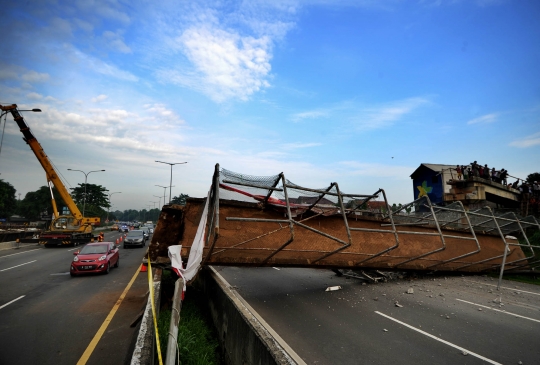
(3, 129)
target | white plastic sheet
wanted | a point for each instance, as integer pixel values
(195, 254)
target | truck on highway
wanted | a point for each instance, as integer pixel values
(68, 229)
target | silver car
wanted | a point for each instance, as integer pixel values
(146, 231)
(135, 237)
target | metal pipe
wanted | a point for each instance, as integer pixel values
(440, 234)
(328, 193)
(396, 237)
(478, 249)
(252, 185)
(172, 343)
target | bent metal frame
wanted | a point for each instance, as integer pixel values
(444, 222)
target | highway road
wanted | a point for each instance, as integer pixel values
(445, 320)
(48, 317)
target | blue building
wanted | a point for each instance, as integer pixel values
(431, 180)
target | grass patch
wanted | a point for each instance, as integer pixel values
(197, 342)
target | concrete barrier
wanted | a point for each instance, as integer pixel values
(13, 244)
(245, 338)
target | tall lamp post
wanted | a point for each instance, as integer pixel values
(159, 205)
(154, 204)
(170, 184)
(110, 194)
(164, 189)
(85, 179)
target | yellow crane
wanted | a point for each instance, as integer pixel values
(70, 229)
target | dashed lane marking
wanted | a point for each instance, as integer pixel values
(26, 263)
(14, 300)
(13, 254)
(499, 310)
(503, 287)
(440, 340)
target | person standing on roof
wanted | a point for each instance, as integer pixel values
(486, 172)
(536, 189)
(458, 170)
(504, 174)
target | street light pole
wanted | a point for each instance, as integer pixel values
(108, 209)
(85, 179)
(164, 189)
(171, 164)
(154, 204)
(159, 200)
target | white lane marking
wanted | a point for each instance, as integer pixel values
(14, 300)
(499, 310)
(275, 268)
(514, 289)
(440, 339)
(26, 263)
(13, 254)
(61, 273)
(74, 249)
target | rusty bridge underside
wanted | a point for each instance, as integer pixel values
(269, 221)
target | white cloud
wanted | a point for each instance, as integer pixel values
(313, 114)
(99, 98)
(34, 96)
(116, 42)
(529, 141)
(33, 76)
(365, 117)
(384, 115)
(297, 145)
(488, 118)
(225, 64)
(104, 68)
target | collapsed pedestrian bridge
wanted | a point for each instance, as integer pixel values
(270, 221)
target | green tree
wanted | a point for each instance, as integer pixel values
(39, 201)
(96, 198)
(180, 200)
(8, 202)
(535, 176)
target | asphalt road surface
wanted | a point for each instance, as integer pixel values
(445, 320)
(48, 317)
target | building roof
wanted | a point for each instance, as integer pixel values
(433, 167)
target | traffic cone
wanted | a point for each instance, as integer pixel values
(144, 268)
(121, 238)
(117, 241)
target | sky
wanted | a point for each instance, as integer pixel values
(359, 92)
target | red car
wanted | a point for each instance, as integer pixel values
(97, 257)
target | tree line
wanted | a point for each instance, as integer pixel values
(37, 205)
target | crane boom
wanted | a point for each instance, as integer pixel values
(75, 223)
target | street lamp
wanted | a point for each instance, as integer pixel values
(159, 200)
(85, 179)
(108, 209)
(164, 189)
(154, 204)
(170, 185)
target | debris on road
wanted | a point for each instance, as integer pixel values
(410, 291)
(333, 288)
(398, 305)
